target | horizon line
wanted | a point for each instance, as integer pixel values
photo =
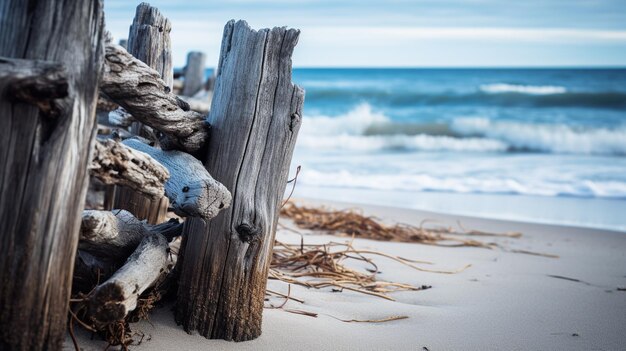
(590, 67)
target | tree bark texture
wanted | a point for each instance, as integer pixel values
(44, 152)
(255, 117)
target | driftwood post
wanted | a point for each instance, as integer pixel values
(194, 73)
(255, 117)
(149, 41)
(48, 115)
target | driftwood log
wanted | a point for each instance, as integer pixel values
(191, 189)
(194, 73)
(139, 89)
(115, 234)
(115, 163)
(107, 239)
(225, 261)
(113, 299)
(48, 118)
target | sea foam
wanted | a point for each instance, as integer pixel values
(498, 88)
(465, 184)
(363, 129)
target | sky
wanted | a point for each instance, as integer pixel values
(405, 33)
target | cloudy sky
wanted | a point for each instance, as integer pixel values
(405, 33)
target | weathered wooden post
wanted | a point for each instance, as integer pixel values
(149, 41)
(194, 73)
(255, 117)
(48, 113)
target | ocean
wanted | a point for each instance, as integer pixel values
(539, 145)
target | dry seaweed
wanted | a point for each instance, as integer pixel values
(322, 266)
(352, 222)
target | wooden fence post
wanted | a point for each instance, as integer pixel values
(255, 117)
(48, 115)
(194, 73)
(149, 41)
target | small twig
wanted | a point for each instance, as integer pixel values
(535, 253)
(83, 324)
(71, 330)
(285, 296)
(382, 320)
(294, 180)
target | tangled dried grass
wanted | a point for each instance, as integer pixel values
(321, 266)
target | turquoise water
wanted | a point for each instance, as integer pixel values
(553, 139)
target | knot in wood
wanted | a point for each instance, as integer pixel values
(248, 233)
(295, 119)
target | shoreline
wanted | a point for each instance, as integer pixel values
(505, 300)
(581, 212)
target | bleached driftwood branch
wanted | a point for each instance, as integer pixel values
(115, 163)
(139, 90)
(107, 239)
(115, 234)
(113, 299)
(191, 189)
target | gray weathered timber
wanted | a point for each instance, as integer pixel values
(255, 114)
(107, 239)
(115, 234)
(139, 89)
(113, 299)
(115, 163)
(194, 73)
(149, 41)
(191, 189)
(43, 165)
(38, 83)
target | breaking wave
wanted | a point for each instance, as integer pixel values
(363, 129)
(499, 88)
(465, 184)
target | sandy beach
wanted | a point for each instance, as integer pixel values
(504, 301)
